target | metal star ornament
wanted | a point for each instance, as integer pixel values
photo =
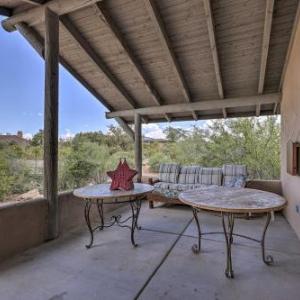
(122, 177)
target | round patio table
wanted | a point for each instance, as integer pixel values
(230, 203)
(100, 194)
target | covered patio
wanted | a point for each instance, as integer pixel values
(162, 267)
(152, 61)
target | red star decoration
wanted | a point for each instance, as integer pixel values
(122, 177)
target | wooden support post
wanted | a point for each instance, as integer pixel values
(138, 145)
(51, 121)
(224, 111)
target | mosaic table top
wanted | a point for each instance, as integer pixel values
(102, 191)
(235, 200)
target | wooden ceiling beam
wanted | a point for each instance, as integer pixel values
(200, 105)
(36, 15)
(37, 42)
(5, 11)
(167, 47)
(107, 21)
(213, 45)
(290, 46)
(268, 112)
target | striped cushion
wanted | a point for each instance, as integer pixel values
(169, 173)
(230, 172)
(189, 174)
(209, 176)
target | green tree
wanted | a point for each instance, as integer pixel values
(37, 139)
(254, 142)
(6, 179)
(175, 134)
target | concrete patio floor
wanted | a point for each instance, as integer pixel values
(162, 267)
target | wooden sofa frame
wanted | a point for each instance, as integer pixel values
(273, 186)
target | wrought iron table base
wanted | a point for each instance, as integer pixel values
(115, 219)
(229, 234)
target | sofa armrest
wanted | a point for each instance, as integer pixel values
(152, 181)
(273, 186)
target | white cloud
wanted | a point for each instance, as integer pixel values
(27, 136)
(68, 135)
(153, 131)
(40, 114)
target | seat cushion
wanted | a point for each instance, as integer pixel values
(161, 185)
(171, 190)
(189, 174)
(169, 173)
(210, 176)
(180, 187)
(164, 189)
(234, 175)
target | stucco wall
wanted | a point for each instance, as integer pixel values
(290, 110)
(23, 224)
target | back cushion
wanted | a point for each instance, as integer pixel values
(233, 171)
(209, 176)
(169, 173)
(189, 174)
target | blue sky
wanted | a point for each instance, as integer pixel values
(22, 95)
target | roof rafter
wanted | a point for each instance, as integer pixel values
(214, 50)
(36, 15)
(290, 46)
(200, 105)
(37, 42)
(213, 45)
(108, 22)
(166, 44)
(265, 49)
(97, 60)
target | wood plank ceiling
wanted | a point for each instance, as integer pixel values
(145, 53)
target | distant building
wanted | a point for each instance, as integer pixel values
(153, 140)
(14, 139)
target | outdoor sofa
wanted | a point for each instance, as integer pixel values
(174, 179)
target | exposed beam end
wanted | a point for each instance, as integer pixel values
(6, 12)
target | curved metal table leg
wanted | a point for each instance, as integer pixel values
(87, 210)
(268, 260)
(196, 248)
(230, 224)
(135, 210)
(138, 208)
(100, 211)
(228, 239)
